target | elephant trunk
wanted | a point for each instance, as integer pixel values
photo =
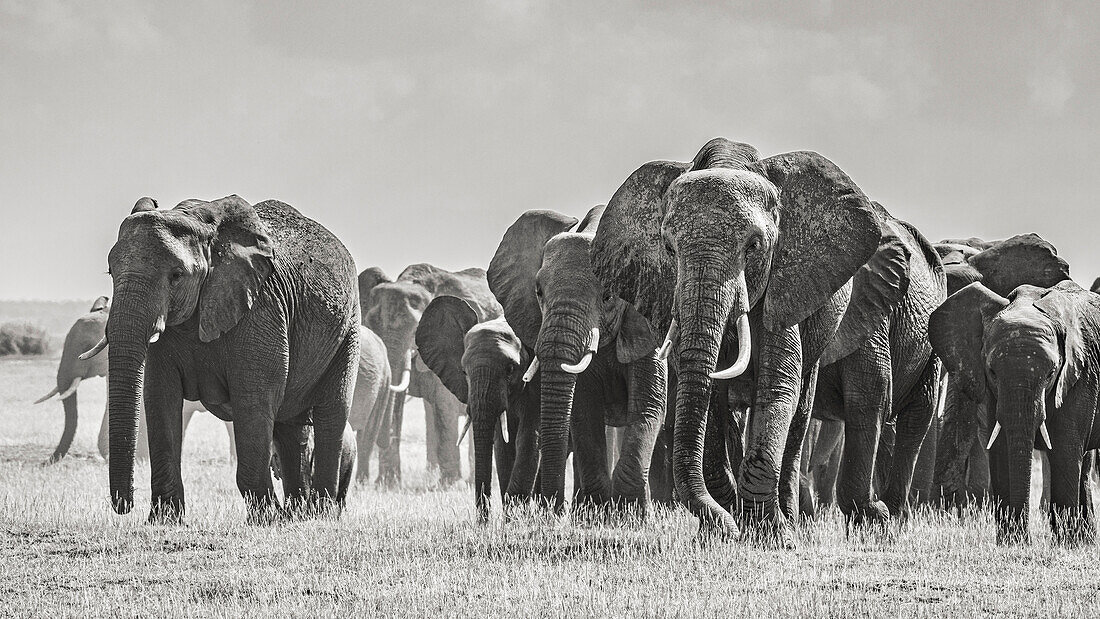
(484, 421)
(69, 432)
(129, 328)
(706, 305)
(557, 409)
(1024, 413)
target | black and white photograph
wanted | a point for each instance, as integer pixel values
(532, 308)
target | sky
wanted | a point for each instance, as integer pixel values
(419, 131)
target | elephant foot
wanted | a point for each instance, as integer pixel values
(1070, 528)
(264, 510)
(869, 515)
(900, 511)
(763, 524)
(166, 510)
(807, 504)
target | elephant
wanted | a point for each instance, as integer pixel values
(880, 368)
(960, 432)
(594, 354)
(747, 262)
(392, 309)
(482, 364)
(85, 332)
(372, 402)
(1032, 358)
(252, 310)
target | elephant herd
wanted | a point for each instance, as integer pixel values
(763, 337)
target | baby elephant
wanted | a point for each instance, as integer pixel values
(1033, 359)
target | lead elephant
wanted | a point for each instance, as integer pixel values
(1034, 359)
(595, 358)
(746, 261)
(879, 368)
(72, 370)
(482, 364)
(252, 310)
(392, 309)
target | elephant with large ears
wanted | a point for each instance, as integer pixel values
(879, 368)
(72, 371)
(482, 363)
(595, 357)
(252, 310)
(748, 258)
(960, 460)
(1033, 358)
(392, 309)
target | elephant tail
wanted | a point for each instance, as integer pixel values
(49, 395)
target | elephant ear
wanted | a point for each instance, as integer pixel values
(368, 279)
(629, 254)
(512, 271)
(635, 338)
(1095, 285)
(591, 221)
(1023, 259)
(241, 256)
(439, 340)
(827, 230)
(878, 287)
(956, 330)
(1064, 304)
(100, 304)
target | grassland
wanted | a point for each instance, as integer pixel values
(417, 552)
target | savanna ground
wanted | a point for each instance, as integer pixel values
(418, 551)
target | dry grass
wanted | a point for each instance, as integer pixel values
(419, 553)
(23, 338)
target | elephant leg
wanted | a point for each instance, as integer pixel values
(1070, 521)
(1044, 466)
(911, 428)
(884, 456)
(364, 445)
(448, 455)
(291, 441)
(826, 486)
(718, 472)
(232, 441)
(389, 457)
(978, 474)
(330, 418)
(431, 434)
(505, 455)
(253, 434)
(792, 452)
(806, 501)
(866, 388)
(1088, 508)
(828, 408)
(589, 454)
(661, 485)
(142, 452)
(524, 477)
(103, 441)
(164, 412)
(923, 490)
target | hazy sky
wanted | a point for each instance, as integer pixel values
(419, 132)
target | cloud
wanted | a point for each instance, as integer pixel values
(1050, 89)
(849, 93)
(60, 26)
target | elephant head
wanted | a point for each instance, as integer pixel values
(696, 246)
(542, 275)
(1001, 266)
(200, 267)
(482, 364)
(1022, 355)
(393, 310)
(85, 332)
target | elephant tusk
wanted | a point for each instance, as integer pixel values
(95, 350)
(993, 436)
(465, 429)
(406, 376)
(1046, 436)
(941, 401)
(533, 369)
(744, 350)
(593, 346)
(504, 427)
(153, 338)
(158, 329)
(71, 390)
(670, 340)
(49, 395)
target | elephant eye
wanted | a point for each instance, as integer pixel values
(754, 244)
(175, 275)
